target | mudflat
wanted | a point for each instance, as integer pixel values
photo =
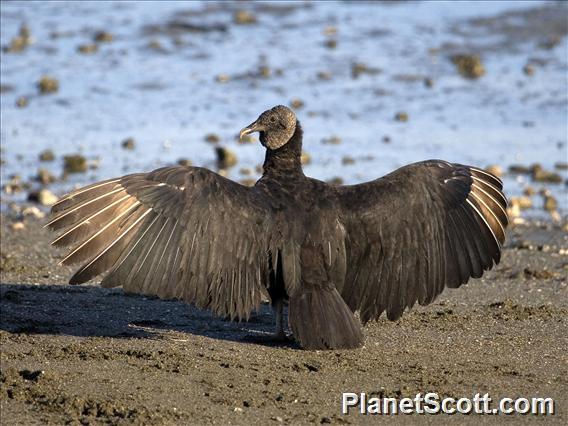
(83, 354)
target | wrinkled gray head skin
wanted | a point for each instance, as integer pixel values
(276, 126)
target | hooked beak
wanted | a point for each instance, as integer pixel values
(251, 128)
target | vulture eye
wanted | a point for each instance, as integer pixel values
(272, 119)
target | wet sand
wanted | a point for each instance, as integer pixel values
(82, 354)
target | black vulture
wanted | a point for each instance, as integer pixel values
(329, 250)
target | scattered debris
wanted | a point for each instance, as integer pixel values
(469, 66)
(244, 17)
(46, 155)
(47, 85)
(297, 103)
(75, 164)
(212, 138)
(45, 177)
(103, 37)
(19, 42)
(401, 116)
(495, 170)
(128, 143)
(88, 48)
(22, 102)
(44, 196)
(225, 157)
(358, 69)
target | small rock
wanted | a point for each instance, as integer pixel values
(386, 139)
(128, 143)
(75, 163)
(529, 191)
(45, 177)
(244, 17)
(103, 37)
(238, 410)
(469, 66)
(561, 166)
(33, 211)
(305, 158)
(335, 181)
(47, 85)
(212, 138)
(245, 171)
(184, 162)
(247, 182)
(22, 102)
(19, 42)
(401, 116)
(43, 196)
(541, 175)
(347, 160)
(550, 203)
(358, 68)
(330, 43)
(428, 82)
(528, 69)
(324, 75)
(225, 157)
(332, 140)
(523, 203)
(46, 155)
(296, 103)
(222, 78)
(519, 169)
(330, 30)
(495, 170)
(88, 49)
(18, 226)
(264, 71)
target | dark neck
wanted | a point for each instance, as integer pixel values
(287, 157)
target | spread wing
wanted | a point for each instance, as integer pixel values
(177, 232)
(411, 233)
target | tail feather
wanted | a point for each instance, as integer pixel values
(320, 319)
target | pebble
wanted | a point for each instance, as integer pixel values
(244, 17)
(103, 37)
(88, 49)
(347, 160)
(469, 66)
(401, 116)
(247, 182)
(495, 170)
(225, 157)
(561, 166)
(529, 191)
(519, 169)
(528, 69)
(21, 41)
(44, 196)
(128, 143)
(358, 69)
(541, 175)
(428, 82)
(22, 102)
(33, 211)
(222, 78)
(212, 138)
(522, 202)
(45, 177)
(46, 155)
(18, 226)
(297, 103)
(245, 171)
(324, 75)
(550, 203)
(75, 163)
(332, 140)
(337, 180)
(48, 84)
(330, 43)
(184, 162)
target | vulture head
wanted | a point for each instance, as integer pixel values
(275, 126)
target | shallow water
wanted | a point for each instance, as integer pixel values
(158, 84)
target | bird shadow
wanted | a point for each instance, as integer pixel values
(90, 311)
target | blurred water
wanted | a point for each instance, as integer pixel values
(167, 97)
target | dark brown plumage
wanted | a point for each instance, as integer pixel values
(380, 246)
